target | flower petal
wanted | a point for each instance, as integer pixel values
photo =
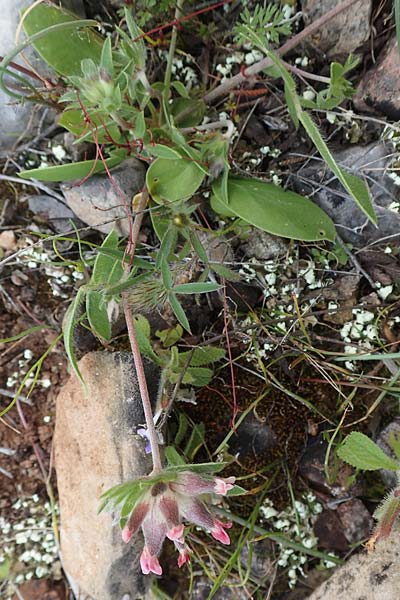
(218, 532)
(170, 510)
(183, 557)
(191, 484)
(135, 520)
(222, 486)
(154, 531)
(176, 533)
(149, 563)
(195, 512)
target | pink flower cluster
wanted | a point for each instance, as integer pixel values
(162, 508)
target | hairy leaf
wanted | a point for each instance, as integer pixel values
(361, 452)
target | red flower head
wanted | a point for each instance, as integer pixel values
(165, 503)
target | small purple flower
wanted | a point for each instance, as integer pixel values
(145, 434)
(163, 506)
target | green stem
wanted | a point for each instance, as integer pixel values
(171, 52)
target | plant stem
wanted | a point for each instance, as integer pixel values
(171, 52)
(235, 81)
(144, 392)
(137, 357)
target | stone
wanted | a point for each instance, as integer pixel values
(343, 34)
(99, 203)
(374, 576)
(54, 212)
(379, 89)
(369, 162)
(96, 447)
(8, 240)
(264, 246)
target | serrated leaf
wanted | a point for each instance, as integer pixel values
(196, 288)
(198, 376)
(70, 322)
(172, 180)
(96, 312)
(206, 355)
(278, 211)
(170, 336)
(62, 51)
(361, 452)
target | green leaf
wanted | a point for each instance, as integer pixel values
(161, 151)
(355, 186)
(5, 569)
(142, 330)
(106, 269)
(196, 288)
(73, 120)
(197, 376)
(170, 336)
(187, 112)
(361, 452)
(178, 311)
(70, 322)
(236, 491)
(278, 211)
(70, 171)
(174, 459)
(206, 468)
(165, 273)
(106, 59)
(180, 88)
(62, 51)
(96, 312)
(223, 271)
(206, 355)
(173, 180)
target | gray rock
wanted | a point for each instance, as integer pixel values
(264, 246)
(95, 449)
(54, 212)
(374, 576)
(17, 119)
(379, 90)
(342, 35)
(97, 201)
(370, 163)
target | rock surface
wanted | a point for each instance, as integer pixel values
(96, 448)
(54, 212)
(374, 576)
(341, 35)
(369, 162)
(98, 202)
(379, 90)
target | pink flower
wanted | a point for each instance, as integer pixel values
(163, 506)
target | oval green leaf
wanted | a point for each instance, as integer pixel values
(173, 180)
(64, 52)
(277, 211)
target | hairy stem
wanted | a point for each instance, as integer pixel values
(235, 81)
(171, 52)
(137, 357)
